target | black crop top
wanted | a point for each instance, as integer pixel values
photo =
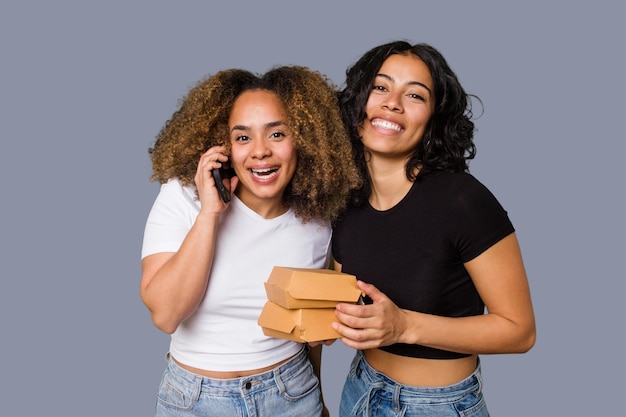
(414, 252)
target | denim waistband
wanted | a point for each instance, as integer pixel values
(249, 383)
(383, 385)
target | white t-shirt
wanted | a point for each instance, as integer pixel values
(223, 334)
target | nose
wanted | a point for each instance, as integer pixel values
(260, 149)
(392, 102)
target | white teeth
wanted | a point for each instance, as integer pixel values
(264, 173)
(387, 125)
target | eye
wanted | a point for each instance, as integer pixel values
(277, 135)
(415, 96)
(381, 88)
(242, 138)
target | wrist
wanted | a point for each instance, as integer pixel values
(409, 333)
(209, 215)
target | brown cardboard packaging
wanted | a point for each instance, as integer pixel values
(300, 324)
(301, 302)
(310, 288)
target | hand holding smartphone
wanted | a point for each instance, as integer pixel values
(218, 174)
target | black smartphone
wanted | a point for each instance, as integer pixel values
(218, 174)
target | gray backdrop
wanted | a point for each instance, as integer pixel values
(86, 86)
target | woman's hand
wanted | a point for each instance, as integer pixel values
(210, 200)
(370, 326)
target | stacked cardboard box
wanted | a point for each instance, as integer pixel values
(301, 302)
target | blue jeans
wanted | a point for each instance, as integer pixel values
(291, 389)
(367, 393)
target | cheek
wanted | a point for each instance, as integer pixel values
(287, 152)
(236, 157)
(422, 117)
(289, 159)
(371, 103)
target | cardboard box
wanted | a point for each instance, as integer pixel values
(301, 325)
(301, 302)
(294, 288)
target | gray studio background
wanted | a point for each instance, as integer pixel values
(85, 86)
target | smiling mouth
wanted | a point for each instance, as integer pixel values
(385, 124)
(264, 173)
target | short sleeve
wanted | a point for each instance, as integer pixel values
(172, 215)
(480, 219)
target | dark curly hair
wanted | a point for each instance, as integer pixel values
(325, 172)
(447, 144)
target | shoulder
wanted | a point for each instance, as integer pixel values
(175, 186)
(450, 179)
(175, 197)
(174, 189)
(457, 193)
(455, 184)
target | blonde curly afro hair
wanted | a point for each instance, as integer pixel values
(325, 173)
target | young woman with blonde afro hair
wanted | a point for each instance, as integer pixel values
(324, 174)
(205, 259)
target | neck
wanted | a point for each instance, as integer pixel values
(266, 208)
(389, 183)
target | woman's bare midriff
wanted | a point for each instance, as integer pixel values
(421, 372)
(229, 374)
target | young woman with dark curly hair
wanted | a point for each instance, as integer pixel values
(204, 261)
(430, 245)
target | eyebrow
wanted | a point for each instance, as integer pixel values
(409, 83)
(267, 125)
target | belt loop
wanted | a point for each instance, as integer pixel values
(396, 397)
(479, 377)
(197, 388)
(279, 381)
